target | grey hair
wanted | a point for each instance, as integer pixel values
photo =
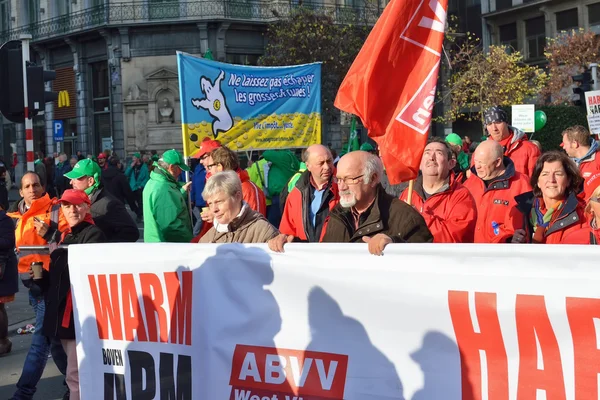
(163, 164)
(226, 181)
(373, 166)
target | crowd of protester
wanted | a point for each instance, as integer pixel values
(502, 190)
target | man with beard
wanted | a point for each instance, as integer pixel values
(366, 213)
(309, 202)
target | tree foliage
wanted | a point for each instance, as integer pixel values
(312, 36)
(568, 54)
(478, 79)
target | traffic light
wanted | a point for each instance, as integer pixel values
(36, 89)
(11, 84)
(585, 85)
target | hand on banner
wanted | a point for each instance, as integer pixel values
(377, 243)
(276, 244)
(519, 236)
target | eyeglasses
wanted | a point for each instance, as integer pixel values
(350, 181)
(211, 165)
(595, 199)
(204, 157)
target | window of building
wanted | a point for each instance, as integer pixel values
(594, 17)
(63, 7)
(101, 105)
(503, 4)
(535, 37)
(508, 36)
(4, 15)
(163, 9)
(33, 10)
(471, 3)
(567, 20)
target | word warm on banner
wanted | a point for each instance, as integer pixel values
(331, 322)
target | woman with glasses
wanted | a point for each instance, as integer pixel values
(552, 211)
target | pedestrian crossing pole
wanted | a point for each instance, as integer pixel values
(25, 38)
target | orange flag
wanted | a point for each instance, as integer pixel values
(391, 84)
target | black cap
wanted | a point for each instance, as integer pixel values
(495, 114)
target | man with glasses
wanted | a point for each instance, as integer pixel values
(366, 213)
(166, 215)
(108, 213)
(309, 202)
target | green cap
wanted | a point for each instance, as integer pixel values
(453, 138)
(367, 147)
(173, 157)
(137, 155)
(85, 167)
(154, 157)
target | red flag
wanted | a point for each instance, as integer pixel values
(391, 84)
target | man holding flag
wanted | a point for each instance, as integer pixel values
(391, 84)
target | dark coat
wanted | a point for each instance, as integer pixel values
(56, 283)
(9, 284)
(387, 215)
(117, 184)
(112, 218)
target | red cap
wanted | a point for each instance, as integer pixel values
(101, 155)
(591, 184)
(75, 196)
(207, 146)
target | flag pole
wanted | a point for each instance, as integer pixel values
(411, 185)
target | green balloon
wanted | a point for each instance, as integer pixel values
(540, 120)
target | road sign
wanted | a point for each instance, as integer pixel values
(59, 131)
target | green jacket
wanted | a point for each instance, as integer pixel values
(257, 175)
(142, 178)
(296, 176)
(166, 215)
(463, 161)
(284, 165)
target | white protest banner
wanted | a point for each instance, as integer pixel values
(523, 117)
(592, 104)
(330, 321)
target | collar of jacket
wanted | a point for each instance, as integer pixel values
(40, 205)
(304, 182)
(373, 224)
(568, 214)
(304, 186)
(162, 174)
(247, 217)
(97, 194)
(446, 187)
(502, 181)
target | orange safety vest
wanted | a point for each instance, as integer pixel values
(47, 210)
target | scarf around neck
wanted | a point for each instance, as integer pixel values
(542, 219)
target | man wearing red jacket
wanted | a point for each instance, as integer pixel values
(521, 151)
(583, 149)
(494, 184)
(447, 207)
(309, 202)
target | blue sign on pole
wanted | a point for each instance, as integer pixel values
(59, 131)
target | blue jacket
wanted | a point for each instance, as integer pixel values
(198, 182)
(61, 170)
(142, 178)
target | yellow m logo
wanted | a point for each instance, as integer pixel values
(63, 99)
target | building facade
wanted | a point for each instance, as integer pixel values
(116, 61)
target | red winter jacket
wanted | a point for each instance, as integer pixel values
(252, 194)
(586, 235)
(296, 214)
(497, 213)
(570, 220)
(450, 214)
(588, 167)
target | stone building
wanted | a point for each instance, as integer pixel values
(116, 60)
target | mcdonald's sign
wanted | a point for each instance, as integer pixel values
(63, 99)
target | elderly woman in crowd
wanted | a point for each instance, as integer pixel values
(552, 210)
(234, 220)
(590, 234)
(56, 284)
